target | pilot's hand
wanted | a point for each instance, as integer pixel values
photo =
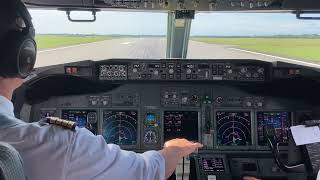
(183, 146)
(176, 149)
(250, 178)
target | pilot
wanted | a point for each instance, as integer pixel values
(51, 152)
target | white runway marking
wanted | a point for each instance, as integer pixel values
(278, 57)
(126, 43)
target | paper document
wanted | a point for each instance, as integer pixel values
(303, 135)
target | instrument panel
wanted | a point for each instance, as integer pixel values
(176, 70)
(199, 5)
(143, 116)
(224, 104)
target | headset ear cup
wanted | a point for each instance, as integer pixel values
(27, 56)
(20, 55)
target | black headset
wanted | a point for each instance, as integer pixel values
(18, 48)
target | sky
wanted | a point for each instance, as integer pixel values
(148, 23)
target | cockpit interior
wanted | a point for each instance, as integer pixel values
(227, 104)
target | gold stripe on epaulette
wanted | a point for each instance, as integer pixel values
(62, 123)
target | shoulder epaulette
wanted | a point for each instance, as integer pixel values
(62, 123)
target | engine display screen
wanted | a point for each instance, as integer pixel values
(279, 120)
(233, 128)
(120, 127)
(213, 165)
(84, 118)
(181, 124)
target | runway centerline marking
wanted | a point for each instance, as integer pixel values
(126, 43)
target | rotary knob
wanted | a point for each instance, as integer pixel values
(189, 71)
(219, 100)
(94, 102)
(156, 72)
(134, 70)
(248, 104)
(184, 100)
(260, 70)
(243, 70)
(259, 104)
(171, 71)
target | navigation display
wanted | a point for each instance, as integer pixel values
(233, 128)
(120, 127)
(84, 118)
(181, 124)
(213, 164)
(279, 120)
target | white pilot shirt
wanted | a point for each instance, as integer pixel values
(52, 153)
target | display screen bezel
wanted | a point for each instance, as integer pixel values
(213, 170)
(215, 139)
(127, 147)
(181, 110)
(259, 147)
(88, 111)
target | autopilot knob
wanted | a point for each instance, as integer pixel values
(156, 72)
(189, 71)
(171, 71)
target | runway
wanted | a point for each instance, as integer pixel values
(143, 48)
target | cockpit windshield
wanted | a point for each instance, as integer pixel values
(264, 36)
(113, 35)
(119, 34)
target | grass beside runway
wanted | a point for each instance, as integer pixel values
(307, 49)
(54, 41)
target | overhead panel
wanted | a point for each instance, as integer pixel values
(200, 5)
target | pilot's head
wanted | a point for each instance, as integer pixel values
(17, 45)
(18, 48)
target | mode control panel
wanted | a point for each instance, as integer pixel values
(185, 70)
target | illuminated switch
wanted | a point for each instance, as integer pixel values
(68, 70)
(74, 70)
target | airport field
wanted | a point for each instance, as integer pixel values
(298, 47)
(54, 41)
(306, 48)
